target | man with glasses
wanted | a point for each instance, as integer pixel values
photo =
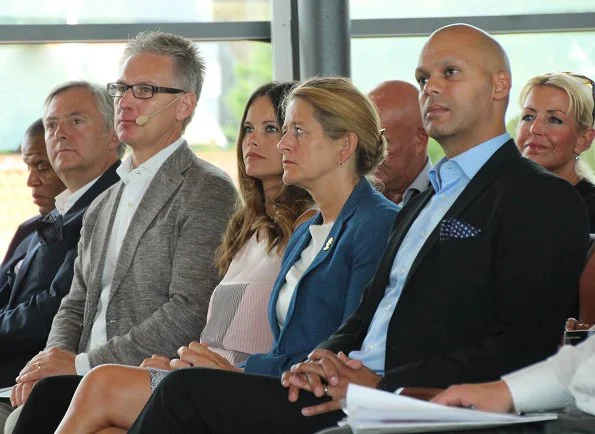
(145, 271)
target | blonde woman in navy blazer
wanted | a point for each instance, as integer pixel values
(331, 288)
(332, 141)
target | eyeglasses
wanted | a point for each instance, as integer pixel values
(140, 91)
(587, 81)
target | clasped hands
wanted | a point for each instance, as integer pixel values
(50, 362)
(196, 354)
(326, 373)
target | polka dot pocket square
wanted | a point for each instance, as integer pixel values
(452, 228)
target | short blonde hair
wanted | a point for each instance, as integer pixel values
(581, 104)
(579, 91)
(341, 108)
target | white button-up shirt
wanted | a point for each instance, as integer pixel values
(568, 378)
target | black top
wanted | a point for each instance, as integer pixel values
(587, 192)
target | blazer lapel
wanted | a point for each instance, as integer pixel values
(288, 262)
(100, 239)
(109, 177)
(328, 246)
(482, 180)
(165, 182)
(34, 245)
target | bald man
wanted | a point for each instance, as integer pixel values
(477, 278)
(404, 172)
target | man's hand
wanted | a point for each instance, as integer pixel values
(572, 324)
(336, 370)
(486, 396)
(198, 355)
(48, 363)
(158, 362)
(20, 393)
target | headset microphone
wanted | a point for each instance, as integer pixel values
(143, 119)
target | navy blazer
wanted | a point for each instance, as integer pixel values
(30, 299)
(477, 307)
(331, 287)
(17, 249)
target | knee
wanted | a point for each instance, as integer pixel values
(100, 381)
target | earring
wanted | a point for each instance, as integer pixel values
(577, 156)
(340, 163)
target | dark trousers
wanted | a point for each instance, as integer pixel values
(47, 405)
(11, 365)
(212, 401)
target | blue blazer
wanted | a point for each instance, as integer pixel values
(332, 286)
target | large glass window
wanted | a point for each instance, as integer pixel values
(366, 9)
(530, 54)
(234, 70)
(31, 71)
(131, 11)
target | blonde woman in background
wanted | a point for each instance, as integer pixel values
(556, 127)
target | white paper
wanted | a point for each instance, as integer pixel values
(376, 411)
(5, 392)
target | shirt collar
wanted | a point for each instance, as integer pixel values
(151, 166)
(66, 199)
(470, 161)
(420, 183)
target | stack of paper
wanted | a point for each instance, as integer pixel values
(371, 411)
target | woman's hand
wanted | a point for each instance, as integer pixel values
(197, 354)
(158, 362)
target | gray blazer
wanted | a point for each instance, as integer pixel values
(165, 271)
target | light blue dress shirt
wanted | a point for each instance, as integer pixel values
(448, 178)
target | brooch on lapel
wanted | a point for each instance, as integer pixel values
(328, 244)
(452, 228)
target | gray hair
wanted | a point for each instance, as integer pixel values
(103, 101)
(189, 66)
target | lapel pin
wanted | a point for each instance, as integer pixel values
(328, 244)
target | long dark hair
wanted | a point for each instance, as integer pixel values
(251, 215)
